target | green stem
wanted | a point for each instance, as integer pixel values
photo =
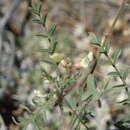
(119, 12)
(77, 115)
(102, 44)
(82, 109)
(117, 70)
(122, 7)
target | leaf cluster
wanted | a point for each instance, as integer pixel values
(58, 96)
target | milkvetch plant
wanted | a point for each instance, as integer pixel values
(64, 86)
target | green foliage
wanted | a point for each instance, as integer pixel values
(47, 75)
(79, 91)
(95, 39)
(52, 47)
(51, 63)
(105, 48)
(116, 56)
(91, 87)
(119, 85)
(49, 32)
(42, 35)
(124, 73)
(36, 9)
(124, 102)
(52, 29)
(62, 84)
(114, 74)
(44, 19)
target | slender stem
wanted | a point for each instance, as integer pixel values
(82, 109)
(77, 115)
(119, 12)
(117, 70)
(94, 64)
(122, 7)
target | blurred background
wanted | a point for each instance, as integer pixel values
(21, 63)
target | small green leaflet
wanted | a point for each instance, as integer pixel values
(42, 35)
(67, 82)
(97, 95)
(79, 91)
(44, 18)
(52, 29)
(47, 75)
(105, 84)
(119, 85)
(107, 91)
(124, 74)
(50, 63)
(105, 48)
(52, 47)
(116, 56)
(39, 120)
(37, 20)
(124, 102)
(91, 88)
(72, 102)
(26, 108)
(36, 9)
(95, 39)
(114, 74)
(44, 50)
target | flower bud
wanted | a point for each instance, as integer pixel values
(86, 60)
(66, 63)
(57, 57)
